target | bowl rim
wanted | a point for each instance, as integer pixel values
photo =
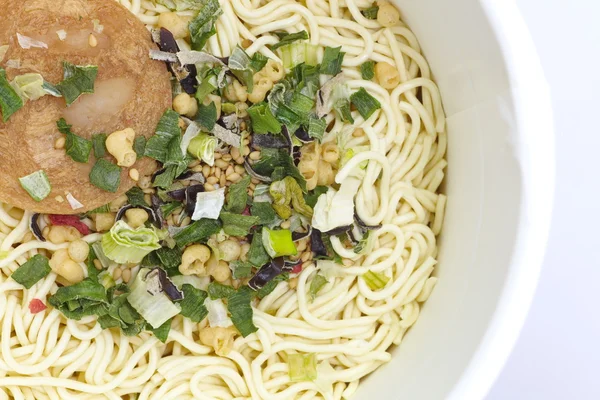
(533, 122)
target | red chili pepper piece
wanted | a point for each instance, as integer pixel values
(36, 306)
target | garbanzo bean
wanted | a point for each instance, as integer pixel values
(387, 75)
(63, 234)
(78, 250)
(387, 15)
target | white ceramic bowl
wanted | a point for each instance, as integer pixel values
(499, 186)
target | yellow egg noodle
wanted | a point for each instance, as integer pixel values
(348, 326)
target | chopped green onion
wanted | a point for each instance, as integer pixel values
(139, 146)
(367, 70)
(135, 197)
(272, 159)
(78, 79)
(162, 332)
(287, 194)
(241, 269)
(203, 26)
(312, 196)
(278, 242)
(287, 38)
(203, 148)
(99, 144)
(332, 61)
(316, 285)
(166, 130)
(155, 309)
(123, 244)
(371, 12)
(238, 305)
(298, 53)
(375, 280)
(341, 103)
(316, 127)
(365, 103)
(192, 305)
(76, 147)
(81, 299)
(302, 367)
(263, 120)
(105, 175)
(10, 101)
(206, 87)
(217, 290)
(207, 116)
(237, 224)
(264, 211)
(37, 185)
(196, 232)
(32, 271)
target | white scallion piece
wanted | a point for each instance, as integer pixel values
(27, 43)
(75, 204)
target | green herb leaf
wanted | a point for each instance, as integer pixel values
(273, 158)
(371, 12)
(236, 224)
(298, 53)
(237, 196)
(139, 146)
(287, 38)
(93, 272)
(316, 285)
(203, 26)
(365, 103)
(207, 116)
(199, 231)
(78, 79)
(312, 196)
(258, 62)
(241, 269)
(238, 305)
(240, 66)
(37, 185)
(10, 101)
(135, 197)
(264, 211)
(217, 290)
(316, 127)
(367, 70)
(32, 271)
(306, 79)
(167, 209)
(257, 255)
(192, 305)
(105, 175)
(76, 147)
(207, 86)
(99, 144)
(332, 61)
(263, 120)
(272, 284)
(170, 259)
(162, 332)
(81, 299)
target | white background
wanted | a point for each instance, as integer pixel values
(558, 353)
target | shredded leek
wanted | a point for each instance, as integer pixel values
(287, 38)
(263, 120)
(375, 280)
(302, 367)
(298, 53)
(365, 103)
(124, 244)
(203, 148)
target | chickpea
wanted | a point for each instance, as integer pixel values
(330, 152)
(236, 92)
(214, 99)
(387, 15)
(220, 271)
(242, 109)
(104, 221)
(117, 203)
(387, 75)
(262, 85)
(193, 260)
(62, 234)
(273, 70)
(136, 217)
(176, 24)
(184, 104)
(78, 250)
(229, 250)
(145, 182)
(63, 266)
(120, 145)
